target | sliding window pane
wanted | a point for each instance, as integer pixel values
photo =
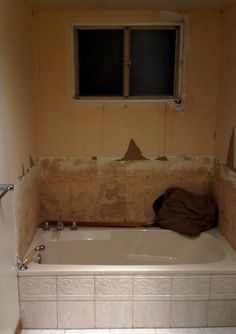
(152, 55)
(100, 65)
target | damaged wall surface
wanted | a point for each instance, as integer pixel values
(109, 191)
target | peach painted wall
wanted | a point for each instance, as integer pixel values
(226, 117)
(225, 172)
(18, 85)
(80, 128)
(19, 114)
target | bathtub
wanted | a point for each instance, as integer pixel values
(129, 278)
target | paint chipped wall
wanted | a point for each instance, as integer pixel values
(27, 208)
(111, 190)
(225, 169)
(104, 129)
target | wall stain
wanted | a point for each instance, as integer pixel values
(133, 152)
(230, 155)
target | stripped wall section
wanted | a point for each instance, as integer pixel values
(225, 192)
(26, 208)
(107, 190)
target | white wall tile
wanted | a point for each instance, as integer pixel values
(151, 314)
(223, 287)
(76, 314)
(113, 287)
(189, 313)
(190, 288)
(113, 314)
(38, 314)
(75, 288)
(222, 313)
(37, 288)
(152, 288)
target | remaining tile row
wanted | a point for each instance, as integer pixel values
(127, 314)
(130, 288)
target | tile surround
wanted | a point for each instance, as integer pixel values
(76, 314)
(151, 314)
(38, 314)
(189, 313)
(128, 301)
(113, 314)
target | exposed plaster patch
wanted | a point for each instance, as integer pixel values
(230, 156)
(133, 152)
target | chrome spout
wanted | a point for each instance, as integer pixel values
(23, 263)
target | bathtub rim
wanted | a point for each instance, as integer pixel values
(224, 266)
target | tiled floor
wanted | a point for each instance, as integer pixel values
(218, 330)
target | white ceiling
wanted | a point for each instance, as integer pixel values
(172, 5)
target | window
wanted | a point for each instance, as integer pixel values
(133, 62)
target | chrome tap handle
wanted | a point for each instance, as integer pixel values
(74, 226)
(45, 225)
(60, 225)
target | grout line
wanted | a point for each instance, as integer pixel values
(94, 302)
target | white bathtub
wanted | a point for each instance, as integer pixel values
(129, 278)
(130, 250)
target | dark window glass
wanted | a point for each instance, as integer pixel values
(100, 65)
(152, 55)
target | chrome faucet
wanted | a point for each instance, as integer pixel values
(23, 263)
(45, 225)
(74, 226)
(60, 225)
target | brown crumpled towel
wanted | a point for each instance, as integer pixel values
(184, 212)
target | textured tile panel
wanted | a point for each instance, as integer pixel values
(190, 288)
(223, 287)
(152, 288)
(113, 288)
(75, 288)
(37, 288)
